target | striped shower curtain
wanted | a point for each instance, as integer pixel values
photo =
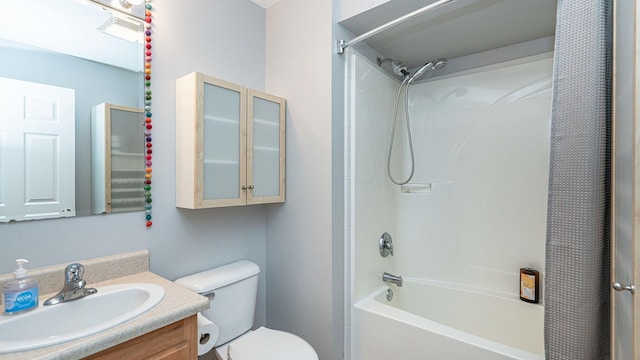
(577, 273)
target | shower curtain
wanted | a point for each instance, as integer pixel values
(577, 276)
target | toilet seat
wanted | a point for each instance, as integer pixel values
(267, 344)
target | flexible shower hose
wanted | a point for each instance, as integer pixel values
(393, 131)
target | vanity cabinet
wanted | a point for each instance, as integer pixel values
(176, 341)
(117, 159)
(230, 144)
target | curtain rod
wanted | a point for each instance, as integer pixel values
(342, 44)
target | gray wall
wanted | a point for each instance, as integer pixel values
(304, 261)
(223, 38)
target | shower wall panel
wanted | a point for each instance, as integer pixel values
(372, 211)
(481, 141)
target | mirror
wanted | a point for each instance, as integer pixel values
(81, 50)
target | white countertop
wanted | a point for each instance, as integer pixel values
(178, 303)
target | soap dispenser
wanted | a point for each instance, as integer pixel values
(530, 285)
(20, 294)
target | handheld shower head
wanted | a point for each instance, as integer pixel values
(421, 71)
(439, 63)
(435, 64)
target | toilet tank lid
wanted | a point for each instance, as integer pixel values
(218, 277)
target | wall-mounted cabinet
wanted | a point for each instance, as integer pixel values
(230, 144)
(117, 152)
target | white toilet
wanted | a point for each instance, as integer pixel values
(232, 290)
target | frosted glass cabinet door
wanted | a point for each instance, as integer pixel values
(221, 143)
(126, 159)
(210, 142)
(117, 153)
(220, 124)
(265, 152)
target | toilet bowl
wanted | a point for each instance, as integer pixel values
(267, 344)
(232, 290)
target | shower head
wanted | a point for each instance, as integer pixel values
(398, 68)
(439, 63)
(435, 64)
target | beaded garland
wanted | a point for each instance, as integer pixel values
(148, 115)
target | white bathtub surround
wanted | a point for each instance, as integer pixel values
(372, 205)
(482, 140)
(472, 216)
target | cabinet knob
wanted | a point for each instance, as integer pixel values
(247, 187)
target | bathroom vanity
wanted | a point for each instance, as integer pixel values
(166, 331)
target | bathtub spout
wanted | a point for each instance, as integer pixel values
(389, 278)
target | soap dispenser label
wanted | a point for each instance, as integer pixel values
(14, 302)
(528, 286)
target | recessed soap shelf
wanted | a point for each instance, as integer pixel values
(415, 188)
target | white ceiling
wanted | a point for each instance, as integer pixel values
(70, 28)
(460, 28)
(265, 3)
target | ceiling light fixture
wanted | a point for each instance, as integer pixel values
(127, 4)
(126, 28)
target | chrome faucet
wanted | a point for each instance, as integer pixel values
(74, 286)
(389, 278)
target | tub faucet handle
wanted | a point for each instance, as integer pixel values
(385, 245)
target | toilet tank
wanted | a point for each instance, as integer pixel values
(232, 290)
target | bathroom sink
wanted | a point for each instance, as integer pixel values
(50, 325)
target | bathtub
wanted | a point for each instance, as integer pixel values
(429, 320)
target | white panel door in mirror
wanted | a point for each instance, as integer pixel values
(37, 180)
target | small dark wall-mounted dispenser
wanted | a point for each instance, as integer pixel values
(529, 285)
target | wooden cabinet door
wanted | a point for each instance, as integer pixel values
(176, 341)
